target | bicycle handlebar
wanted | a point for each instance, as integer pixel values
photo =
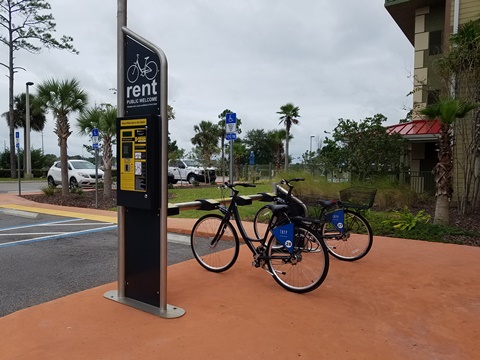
(287, 182)
(232, 186)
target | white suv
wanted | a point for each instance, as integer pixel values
(81, 173)
(191, 171)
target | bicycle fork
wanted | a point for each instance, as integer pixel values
(218, 235)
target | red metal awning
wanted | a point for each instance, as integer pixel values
(417, 130)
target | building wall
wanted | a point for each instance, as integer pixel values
(469, 10)
(437, 16)
(463, 128)
(429, 25)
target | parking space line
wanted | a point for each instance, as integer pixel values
(64, 213)
(81, 224)
(38, 233)
(59, 222)
(58, 236)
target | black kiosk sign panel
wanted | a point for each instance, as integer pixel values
(142, 79)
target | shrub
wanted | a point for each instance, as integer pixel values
(48, 190)
(406, 220)
(78, 191)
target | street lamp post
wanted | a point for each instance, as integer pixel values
(311, 137)
(28, 160)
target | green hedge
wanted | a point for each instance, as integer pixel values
(37, 173)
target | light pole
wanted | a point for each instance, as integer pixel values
(311, 137)
(28, 161)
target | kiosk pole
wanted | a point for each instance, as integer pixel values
(121, 23)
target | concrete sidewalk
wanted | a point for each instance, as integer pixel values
(405, 300)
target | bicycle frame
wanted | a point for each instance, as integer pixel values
(259, 251)
(232, 211)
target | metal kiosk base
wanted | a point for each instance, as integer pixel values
(171, 312)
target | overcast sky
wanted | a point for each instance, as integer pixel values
(332, 59)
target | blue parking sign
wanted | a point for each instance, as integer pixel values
(231, 124)
(231, 118)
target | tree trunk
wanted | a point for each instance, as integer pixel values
(476, 186)
(442, 210)
(107, 167)
(444, 176)
(63, 161)
(286, 149)
(107, 183)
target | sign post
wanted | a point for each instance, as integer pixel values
(95, 147)
(231, 134)
(17, 139)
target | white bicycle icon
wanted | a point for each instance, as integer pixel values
(149, 70)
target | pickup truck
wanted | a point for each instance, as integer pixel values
(191, 171)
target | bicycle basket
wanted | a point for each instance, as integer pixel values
(358, 197)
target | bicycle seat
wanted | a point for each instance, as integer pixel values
(277, 208)
(327, 204)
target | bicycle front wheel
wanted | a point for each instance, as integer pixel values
(214, 244)
(354, 242)
(262, 217)
(305, 268)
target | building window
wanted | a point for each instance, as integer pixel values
(432, 96)
(435, 42)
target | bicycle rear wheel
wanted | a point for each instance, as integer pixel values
(305, 268)
(214, 253)
(262, 217)
(354, 242)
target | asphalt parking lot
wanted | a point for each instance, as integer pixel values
(44, 257)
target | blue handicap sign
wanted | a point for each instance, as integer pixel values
(94, 132)
(231, 118)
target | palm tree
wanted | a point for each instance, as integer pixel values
(206, 138)
(448, 110)
(62, 98)
(289, 115)
(460, 69)
(104, 118)
(240, 155)
(276, 137)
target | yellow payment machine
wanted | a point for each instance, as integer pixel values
(138, 179)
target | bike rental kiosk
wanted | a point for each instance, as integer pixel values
(142, 190)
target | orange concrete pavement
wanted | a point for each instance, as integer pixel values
(405, 300)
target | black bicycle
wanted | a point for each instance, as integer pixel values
(289, 250)
(346, 233)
